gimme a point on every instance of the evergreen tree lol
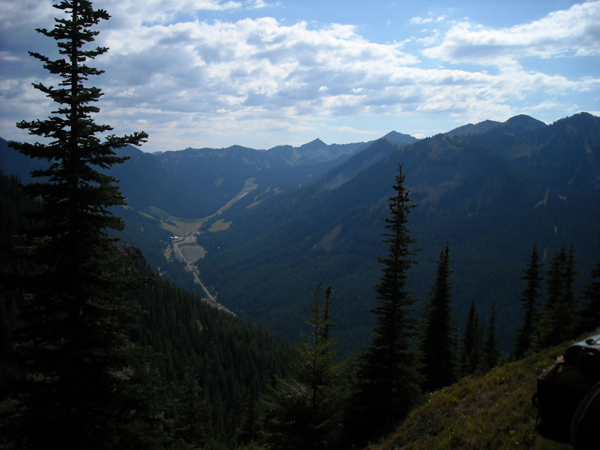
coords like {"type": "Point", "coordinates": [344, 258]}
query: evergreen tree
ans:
{"type": "Point", "coordinates": [529, 298]}
{"type": "Point", "coordinates": [558, 321]}
{"type": "Point", "coordinates": [570, 299]}
{"type": "Point", "coordinates": [73, 345]}
{"type": "Point", "coordinates": [388, 383]}
{"type": "Point", "coordinates": [318, 356]}
{"type": "Point", "coordinates": [192, 426]}
{"type": "Point", "coordinates": [437, 343]}
{"type": "Point", "coordinates": [13, 208]}
{"type": "Point", "coordinates": [471, 343]}
{"type": "Point", "coordinates": [248, 430]}
{"type": "Point", "coordinates": [307, 412]}
{"type": "Point", "coordinates": [590, 314]}
{"type": "Point", "coordinates": [491, 351]}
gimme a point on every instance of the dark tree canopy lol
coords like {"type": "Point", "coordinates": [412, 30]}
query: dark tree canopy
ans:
{"type": "Point", "coordinates": [590, 314]}
{"type": "Point", "coordinates": [491, 351]}
{"type": "Point", "coordinates": [471, 343]}
{"type": "Point", "coordinates": [558, 321]}
{"type": "Point", "coordinates": [389, 370]}
{"type": "Point", "coordinates": [306, 412]}
{"type": "Point", "coordinates": [438, 340]}
{"type": "Point", "coordinates": [529, 298]}
{"type": "Point", "coordinates": [73, 345]}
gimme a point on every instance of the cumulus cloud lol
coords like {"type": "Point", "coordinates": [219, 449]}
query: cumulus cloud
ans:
{"type": "Point", "coordinates": [419, 20]}
{"type": "Point", "coordinates": [250, 64]}
{"type": "Point", "coordinates": [575, 31]}
{"type": "Point", "coordinates": [182, 76]}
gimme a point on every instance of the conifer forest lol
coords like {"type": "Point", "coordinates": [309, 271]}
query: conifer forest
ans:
{"type": "Point", "coordinates": [242, 299]}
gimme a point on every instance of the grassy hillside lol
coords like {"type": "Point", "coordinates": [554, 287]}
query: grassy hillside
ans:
{"type": "Point", "coordinates": [489, 412]}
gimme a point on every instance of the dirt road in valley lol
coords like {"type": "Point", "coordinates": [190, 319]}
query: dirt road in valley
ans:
{"type": "Point", "coordinates": [187, 250]}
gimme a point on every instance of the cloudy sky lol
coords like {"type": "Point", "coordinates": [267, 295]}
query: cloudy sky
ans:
{"type": "Point", "coordinates": [259, 73]}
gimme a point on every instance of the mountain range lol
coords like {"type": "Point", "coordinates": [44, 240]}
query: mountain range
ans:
{"type": "Point", "coordinates": [275, 223]}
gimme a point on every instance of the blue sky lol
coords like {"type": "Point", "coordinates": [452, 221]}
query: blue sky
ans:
{"type": "Point", "coordinates": [260, 73]}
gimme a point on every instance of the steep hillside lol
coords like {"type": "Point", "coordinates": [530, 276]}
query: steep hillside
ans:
{"type": "Point", "coordinates": [355, 165]}
{"type": "Point", "coordinates": [195, 183]}
{"type": "Point", "coordinates": [215, 176]}
{"type": "Point", "coordinates": [303, 213]}
{"type": "Point", "coordinates": [314, 152]}
{"type": "Point", "coordinates": [488, 208]}
{"type": "Point", "coordinates": [232, 359]}
{"type": "Point", "coordinates": [563, 156]}
{"type": "Point", "coordinates": [493, 411]}
{"type": "Point", "coordinates": [148, 184]}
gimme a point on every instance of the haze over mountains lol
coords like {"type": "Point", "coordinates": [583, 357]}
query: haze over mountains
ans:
{"type": "Point", "coordinates": [278, 221]}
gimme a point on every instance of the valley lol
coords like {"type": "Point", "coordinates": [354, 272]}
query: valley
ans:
{"type": "Point", "coordinates": [262, 228]}
{"type": "Point", "coordinates": [184, 245]}
{"type": "Point", "coordinates": [391, 290]}
{"type": "Point", "coordinates": [188, 251]}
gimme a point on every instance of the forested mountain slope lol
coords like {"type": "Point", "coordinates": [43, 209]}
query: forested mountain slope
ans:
{"type": "Point", "coordinates": [564, 156]}
{"type": "Point", "coordinates": [192, 184]}
{"type": "Point", "coordinates": [230, 360]}
{"type": "Point", "coordinates": [489, 207]}
{"type": "Point", "coordinates": [489, 190]}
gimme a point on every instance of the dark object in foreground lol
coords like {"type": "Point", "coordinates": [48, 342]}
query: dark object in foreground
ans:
{"type": "Point", "coordinates": [586, 355]}
{"type": "Point", "coordinates": [568, 396]}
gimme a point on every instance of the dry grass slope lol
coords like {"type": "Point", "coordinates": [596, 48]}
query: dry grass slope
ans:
{"type": "Point", "coordinates": [493, 411]}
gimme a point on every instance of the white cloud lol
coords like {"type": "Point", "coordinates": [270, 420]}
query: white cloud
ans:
{"type": "Point", "coordinates": [347, 129]}
{"type": "Point", "coordinates": [253, 65]}
{"type": "Point", "coordinates": [183, 77]}
{"type": "Point", "coordinates": [256, 4]}
{"type": "Point", "coordinates": [419, 20]}
{"type": "Point", "coordinates": [430, 40]}
{"type": "Point", "coordinates": [575, 31]}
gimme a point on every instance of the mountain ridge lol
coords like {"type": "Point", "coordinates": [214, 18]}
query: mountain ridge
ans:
{"type": "Point", "coordinates": [490, 195]}
{"type": "Point", "coordinates": [481, 203]}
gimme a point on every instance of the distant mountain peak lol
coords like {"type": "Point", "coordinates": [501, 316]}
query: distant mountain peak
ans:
{"type": "Point", "coordinates": [479, 128]}
{"type": "Point", "coordinates": [582, 117]}
{"type": "Point", "coordinates": [400, 138]}
{"type": "Point", "coordinates": [316, 142]}
{"type": "Point", "coordinates": [521, 124]}
{"type": "Point", "coordinates": [514, 126]}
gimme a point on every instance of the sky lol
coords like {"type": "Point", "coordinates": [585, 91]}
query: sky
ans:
{"type": "Point", "coordinates": [261, 73]}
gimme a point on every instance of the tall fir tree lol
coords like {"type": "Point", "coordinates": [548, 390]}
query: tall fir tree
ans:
{"type": "Point", "coordinates": [470, 353]}
{"type": "Point", "coordinates": [73, 344]}
{"type": "Point", "coordinates": [307, 412]}
{"type": "Point", "coordinates": [529, 299]}
{"type": "Point", "coordinates": [491, 350]}
{"type": "Point", "coordinates": [318, 358]}
{"type": "Point", "coordinates": [388, 376]}
{"type": "Point", "coordinates": [248, 430]}
{"type": "Point", "coordinates": [437, 342]}
{"type": "Point", "coordinates": [558, 320]}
